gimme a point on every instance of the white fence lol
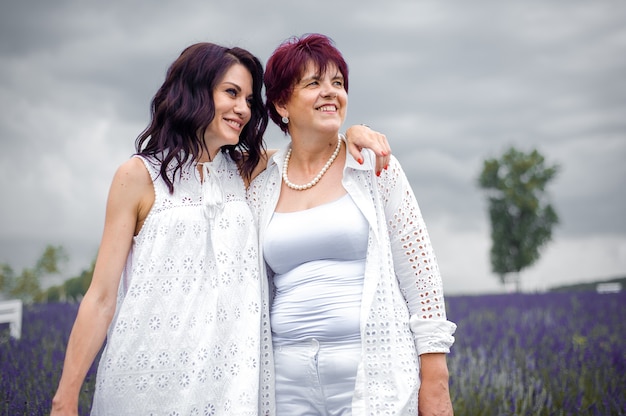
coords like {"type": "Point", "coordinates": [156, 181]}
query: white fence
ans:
{"type": "Point", "coordinates": [11, 312]}
{"type": "Point", "coordinates": [611, 287]}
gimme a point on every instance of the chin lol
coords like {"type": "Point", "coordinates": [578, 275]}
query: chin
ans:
{"type": "Point", "coordinates": [231, 137]}
{"type": "Point", "coordinates": [233, 142]}
{"type": "Point", "coordinates": [332, 129]}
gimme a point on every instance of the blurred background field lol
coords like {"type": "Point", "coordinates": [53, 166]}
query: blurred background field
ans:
{"type": "Point", "coordinates": [557, 353]}
{"type": "Point", "coordinates": [560, 353]}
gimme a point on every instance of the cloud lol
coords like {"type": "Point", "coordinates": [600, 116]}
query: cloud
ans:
{"type": "Point", "coordinates": [449, 83]}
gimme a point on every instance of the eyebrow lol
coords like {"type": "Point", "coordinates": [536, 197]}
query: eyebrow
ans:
{"type": "Point", "coordinates": [310, 78]}
{"type": "Point", "coordinates": [317, 77]}
{"type": "Point", "coordinates": [233, 84]}
{"type": "Point", "coordinates": [238, 88]}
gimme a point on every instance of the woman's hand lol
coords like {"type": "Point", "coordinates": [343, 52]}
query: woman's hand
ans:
{"type": "Point", "coordinates": [434, 395]}
{"type": "Point", "coordinates": [59, 408]}
{"type": "Point", "coordinates": [361, 137]}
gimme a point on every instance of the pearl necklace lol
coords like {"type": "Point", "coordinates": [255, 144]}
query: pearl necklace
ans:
{"type": "Point", "coordinates": [317, 177]}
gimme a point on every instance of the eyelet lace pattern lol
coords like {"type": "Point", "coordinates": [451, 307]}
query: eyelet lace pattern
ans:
{"type": "Point", "coordinates": [185, 336]}
{"type": "Point", "coordinates": [403, 305]}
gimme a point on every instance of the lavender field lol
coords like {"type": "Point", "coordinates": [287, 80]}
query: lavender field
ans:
{"type": "Point", "coordinates": [543, 354]}
{"type": "Point", "coordinates": [517, 354]}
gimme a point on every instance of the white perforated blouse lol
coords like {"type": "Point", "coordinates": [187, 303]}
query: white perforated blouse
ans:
{"type": "Point", "coordinates": [185, 336]}
{"type": "Point", "coordinates": [402, 309]}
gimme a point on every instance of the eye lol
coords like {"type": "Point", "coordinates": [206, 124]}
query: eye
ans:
{"type": "Point", "coordinates": [231, 91]}
{"type": "Point", "coordinates": [312, 84]}
{"type": "Point", "coordinates": [338, 83]}
{"type": "Point", "coordinates": [250, 101]}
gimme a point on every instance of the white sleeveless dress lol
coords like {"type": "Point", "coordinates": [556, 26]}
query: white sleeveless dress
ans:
{"type": "Point", "coordinates": [185, 336]}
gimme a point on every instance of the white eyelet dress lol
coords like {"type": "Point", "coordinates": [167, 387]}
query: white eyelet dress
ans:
{"type": "Point", "coordinates": [185, 336]}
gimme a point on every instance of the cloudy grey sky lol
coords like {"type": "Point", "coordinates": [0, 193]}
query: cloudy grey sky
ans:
{"type": "Point", "coordinates": [449, 82]}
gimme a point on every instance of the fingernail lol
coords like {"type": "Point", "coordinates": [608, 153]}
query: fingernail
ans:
{"type": "Point", "coordinates": [386, 167]}
{"type": "Point", "coordinates": [360, 161]}
{"type": "Point", "coordinates": [378, 173]}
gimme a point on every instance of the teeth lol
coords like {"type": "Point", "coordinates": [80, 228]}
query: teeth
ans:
{"type": "Point", "coordinates": [234, 123]}
{"type": "Point", "coordinates": [328, 108]}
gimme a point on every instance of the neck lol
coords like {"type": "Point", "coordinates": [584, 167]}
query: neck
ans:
{"type": "Point", "coordinates": [206, 156]}
{"type": "Point", "coordinates": [309, 150]}
{"type": "Point", "coordinates": [308, 165]}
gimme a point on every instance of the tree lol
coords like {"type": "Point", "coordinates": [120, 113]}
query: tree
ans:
{"type": "Point", "coordinates": [521, 216]}
{"type": "Point", "coordinates": [76, 287]}
{"type": "Point", "coordinates": [71, 290]}
{"type": "Point", "coordinates": [51, 260]}
{"type": "Point", "coordinates": [7, 278]}
{"type": "Point", "coordinates": [27, 285]}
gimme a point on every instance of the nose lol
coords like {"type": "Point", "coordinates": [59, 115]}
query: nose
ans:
{"type": "Point", "coordinates": [242, 108]}
{"type": "Point", "coordinates": [328, 90]}
{"type": "Point", "coordinates": [328, 93]}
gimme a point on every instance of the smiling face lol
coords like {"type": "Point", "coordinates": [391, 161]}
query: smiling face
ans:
{"type": "Point", "coordinates": [232, 97]}
{"type": "Point", "coordinates": [319, 101]}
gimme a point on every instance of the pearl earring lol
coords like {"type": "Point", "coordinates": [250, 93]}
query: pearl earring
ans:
{"type": "Point", "coordinates": [285, 120]}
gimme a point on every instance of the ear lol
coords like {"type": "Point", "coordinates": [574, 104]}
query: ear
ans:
{"type": "Point", "coordinates": [281, 109]}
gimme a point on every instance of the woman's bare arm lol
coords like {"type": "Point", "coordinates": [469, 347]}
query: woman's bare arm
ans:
{"type": "Point", "coordinates": [130, 197]}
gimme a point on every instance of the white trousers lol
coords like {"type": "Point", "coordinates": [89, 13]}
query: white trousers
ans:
{"type": "Point", "coordinates": [315, 378]}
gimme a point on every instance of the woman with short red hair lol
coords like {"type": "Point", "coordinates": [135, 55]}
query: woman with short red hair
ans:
{"type": "Point", "coordinates": [354, 320]}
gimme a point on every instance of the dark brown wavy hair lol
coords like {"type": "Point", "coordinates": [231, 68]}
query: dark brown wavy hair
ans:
{"type": "Point", "coordinates": [184, 105]}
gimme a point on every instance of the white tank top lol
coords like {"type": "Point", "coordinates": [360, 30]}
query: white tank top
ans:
{"type": "Point", "coordinates": [318, 257]}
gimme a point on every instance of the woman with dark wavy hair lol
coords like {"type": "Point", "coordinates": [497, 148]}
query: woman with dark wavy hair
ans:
{"type": "Point", "coordinates": [175, 289]}
{"type": "Point", "coordinates": [175, 286]}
